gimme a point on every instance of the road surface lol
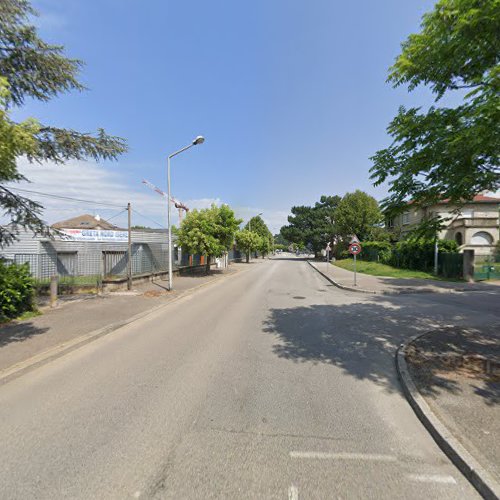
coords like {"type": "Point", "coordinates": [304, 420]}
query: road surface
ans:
{"type": "Point", "coordinates": [268, 384]}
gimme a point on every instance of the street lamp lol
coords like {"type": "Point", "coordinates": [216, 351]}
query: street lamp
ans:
{"type": "Point", "coordinates": [198, 140]}
{"type": "Point", "coordinates": [250, 221]}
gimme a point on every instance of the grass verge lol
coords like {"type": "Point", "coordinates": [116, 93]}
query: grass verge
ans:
{"type": "Point", "coordinates": [378, 269]}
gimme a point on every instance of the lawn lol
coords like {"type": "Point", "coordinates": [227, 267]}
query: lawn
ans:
{"type": "Point", "coordinates": [378, 269]}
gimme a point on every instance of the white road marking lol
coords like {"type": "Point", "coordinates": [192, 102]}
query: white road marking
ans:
{"type": "Point", "coordinates": [342, 456]}
{"type": "Point", "coordinates": [293, 493]}
{"type": "Point", "coordinates": [432, 478]}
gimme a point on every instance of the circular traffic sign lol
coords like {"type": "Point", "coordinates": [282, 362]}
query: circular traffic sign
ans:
{"type": "Point", "coordinates": [354, 248]}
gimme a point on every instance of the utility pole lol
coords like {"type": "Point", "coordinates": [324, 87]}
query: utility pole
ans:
{"type": "Point", "coordinates": [129, 252]}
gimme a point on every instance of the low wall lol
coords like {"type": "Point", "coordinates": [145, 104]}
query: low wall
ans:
{"type": "Point", "coordinates": [116, 284]}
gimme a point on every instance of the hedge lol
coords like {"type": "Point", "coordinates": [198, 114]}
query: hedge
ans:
{"type": "Point", "coordinates": [378, 251]}
{"type": "Point", "coordinates": [419, 255]}
{"type": "Point", "coordinates": [410, 254]}
{"type": "Point", "coordinates": [16, 290]}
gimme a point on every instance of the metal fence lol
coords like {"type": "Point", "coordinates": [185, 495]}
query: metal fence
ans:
{"type": "Point", "coordinates": [487, 268]}
{"type": "Point", "coordinates": [83, 268]}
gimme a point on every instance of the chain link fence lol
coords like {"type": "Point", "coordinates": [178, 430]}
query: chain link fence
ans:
{"type": "Point", "coordinates": [91, 268]}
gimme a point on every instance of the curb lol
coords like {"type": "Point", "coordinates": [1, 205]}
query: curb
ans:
{"type": "Point", "coordinates": [338, 285]}
{"type": "Point", "coordinates": [407, 291]}
{"type": "Point", "coordinates": [478, 476]}
{"type": "Point", "coordinates": [18, 369]}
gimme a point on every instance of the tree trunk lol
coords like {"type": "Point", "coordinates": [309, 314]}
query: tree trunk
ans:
{"type": "Point", "coordinates": [207, 268]}
{"type": "Point", "coordinates": [248, 257]}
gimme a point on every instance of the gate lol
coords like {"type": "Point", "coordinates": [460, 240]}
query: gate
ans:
{"type": "Point", "coordinates": [114, 262]}
{"type": "Point", "coordinates": [66, 263]}
{"type": "Point", "coordinates": [487, 269]}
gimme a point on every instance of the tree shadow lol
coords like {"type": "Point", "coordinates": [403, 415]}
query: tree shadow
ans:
{"type": "Point", "coordinates": [360, 338]}
{"type": "Point", "coordinates": [462, 355]}
{"type": "Point", "coordinates": [423, 284]}
{"type": "Point", "coordinates": [19, 332]}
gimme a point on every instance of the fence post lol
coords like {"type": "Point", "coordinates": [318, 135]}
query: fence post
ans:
{"type": "Point", "coordinates": [468, 263]}
{"type": "Point", "coordinates": [53, 291]}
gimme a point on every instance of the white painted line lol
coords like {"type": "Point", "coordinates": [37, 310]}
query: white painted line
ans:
{"type": "Point", "coordinates": [293, 493]}
{"type": "Point", "coordinates": [343, 456]}
{"type": "Point", "coordinates": [432, 478]}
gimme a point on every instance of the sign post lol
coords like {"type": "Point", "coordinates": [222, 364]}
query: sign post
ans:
{"type": "Point", "coordinates": [327, 249]}
{"type": "Point", "coordinates": [354, 249]}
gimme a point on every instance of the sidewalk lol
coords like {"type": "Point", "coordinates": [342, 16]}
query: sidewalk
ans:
{"type": "Point", "coordinates": [76, 316]}
{"type": "Point", "coordinates": [384, 285]}
{"type": "Point", "coordinates": [457, 371]}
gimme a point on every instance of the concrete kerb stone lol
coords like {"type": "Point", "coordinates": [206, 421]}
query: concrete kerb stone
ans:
{"type": "Point", "coordinates": [53, 353]}
{"type": "Point", "coordinates": [478, 476]}
{"type": "Point", "coordinates": [338, 285]}
{"type": "Point", "coordinates": [405, 291]}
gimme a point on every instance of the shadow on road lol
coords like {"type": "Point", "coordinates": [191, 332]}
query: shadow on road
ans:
{"type": "Point", "coordinates": [360, 338]}
{"type": "Point", "coordinates": [18, 332]}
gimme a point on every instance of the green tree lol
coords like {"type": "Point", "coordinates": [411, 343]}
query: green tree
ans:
{"type": "Point", "coordinates": [257, 225]}
{"type": "Point", "coordinates": [280, 240]}
{"type": "Point", "coordinates": [248, 242]}
{"type": "Point", "coordinates": [209, 232]}
{"type": "Point", "coordinates": [358, 214]}
{"type": "Point", "coordinates": [34, 69]}
{"type": "Point", "coordinates": [446, 152]}
{"type": "Point", "coordinates": [313, 227]}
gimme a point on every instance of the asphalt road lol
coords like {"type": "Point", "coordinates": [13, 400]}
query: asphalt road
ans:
{"type": "Point", "coordinates": [269, 384]}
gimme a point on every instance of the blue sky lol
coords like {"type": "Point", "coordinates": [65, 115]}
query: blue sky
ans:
{"type": "Point", "coordinates": [290, 95]}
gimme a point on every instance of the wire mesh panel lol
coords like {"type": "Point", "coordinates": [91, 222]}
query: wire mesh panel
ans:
{"type": "Point", "coordinates": [115, 263]}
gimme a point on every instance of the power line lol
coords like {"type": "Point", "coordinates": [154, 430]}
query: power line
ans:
{"type": "Point", "coordinates": [147, 218]}
{"type": "Point", "coordinates": [116, 215]}
{"type": "Point", "coordinates": [66, 198]}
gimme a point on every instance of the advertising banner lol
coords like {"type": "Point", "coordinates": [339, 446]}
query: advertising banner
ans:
{"type": "Point", "coordinates": [93, 235]}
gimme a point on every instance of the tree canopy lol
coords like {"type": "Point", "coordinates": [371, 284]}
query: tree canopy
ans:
{"type": "Point", "coordinates": [248, 241]}
{"type": "Point", "coordinates": [257, 225]}
{"type": "Point", "coordinates": [32, 68]}
{"type": "Point", "coordinates": [446, 152]}
{"type": "Point", "coordinates": [358, 214]}
{"type": "Point", "coordinates": [313, 227]}
{"type": "Point", "coordinates": [209, 231]}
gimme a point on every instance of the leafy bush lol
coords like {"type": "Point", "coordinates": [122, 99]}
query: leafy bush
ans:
{"type": "Point", "coordinates": [378, 251]}
{"type": "Point", "coordinates": [16, 290]}
{"type": "Point", "coordinates": [419, 254]}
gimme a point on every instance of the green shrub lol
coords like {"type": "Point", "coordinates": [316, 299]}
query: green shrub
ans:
{"type": "Point", "coordinates": [16, 290]}
{"type": "Point", "coordinates": [419, 254]}
{"type": "Point", "coordinates": [377, 251]}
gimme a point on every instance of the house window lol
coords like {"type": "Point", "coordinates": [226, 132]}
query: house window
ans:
{"type": "Point", "coordinates": [390, 222]}
{"type": "Point", "coordinates": [481, 238]}
{"type": "Point", "coordinates": [459, 238]}
{"type": "Point", "coordinates": [406, 218]}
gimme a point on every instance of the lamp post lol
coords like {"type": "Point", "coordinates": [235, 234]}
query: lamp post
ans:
{"type": "Point", "coordinates": [199, 140]}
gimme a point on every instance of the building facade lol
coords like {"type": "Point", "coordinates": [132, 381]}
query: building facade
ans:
{"type": "Point", "coordinates": [474, 227]}
{"type": "Point", "coordinates": [90, 249]}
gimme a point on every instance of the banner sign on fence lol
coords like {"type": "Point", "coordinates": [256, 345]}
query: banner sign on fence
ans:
{"type": "Point", "coordinates": [93, 235]}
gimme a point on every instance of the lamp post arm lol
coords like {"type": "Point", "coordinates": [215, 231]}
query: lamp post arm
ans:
{"type": "Point", "coordinates": [180, 151]}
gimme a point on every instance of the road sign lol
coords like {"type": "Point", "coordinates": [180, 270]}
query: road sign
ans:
{"type": "Point", "coordinates": [328, 248]}
{"type": "Point", "coordinates": [354, 248]}
{"type": "Point", "coordinates": [354, 239]}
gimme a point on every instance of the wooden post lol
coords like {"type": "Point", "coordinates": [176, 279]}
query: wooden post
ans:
{"type": "Point", "coordinates": [129, 252]}
{"type": "Point", "coordinates": [53, 290]}
{"type": "Point", "coordinates": [468, 265]}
